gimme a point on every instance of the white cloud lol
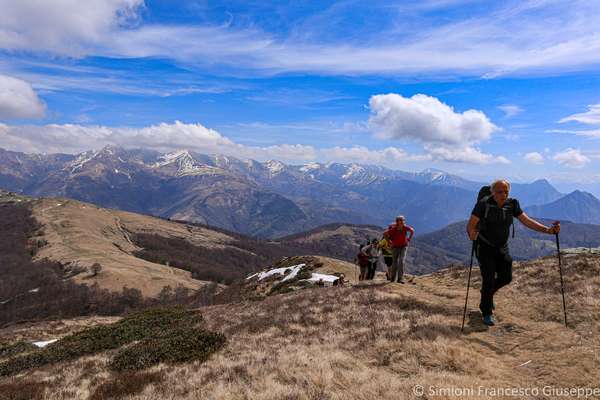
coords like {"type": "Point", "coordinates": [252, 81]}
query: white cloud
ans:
{"type": "Point", "coordinates": [18, 100]}
{"type": "Point", "coordinates": [510, 110]}
{"type": "Point", "coordinates": [72, 138]}
{"type": "Point", "coordinates": [446, 135]}
{"type": "Point", "coordinates": [64, 27]}
{"type": "Point", "coordinates": [534, 158]}
{"type": "Point", "coordinates": [508, 39]}
{"type": "Point", "coordinates": [591, 116]}
{"type": "Point", "coordinates": [389, 156]}
{"type": "Point", "coordinates": [571, 158]}
{"type": "Point", "coordinates": [426, 119]}
{"type": "Point", "coordinates": [466, 154]}
{"type": "Point", "coordinates": [593, 133]}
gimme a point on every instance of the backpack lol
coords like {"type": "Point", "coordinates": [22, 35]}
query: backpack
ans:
{"type": "Point", "coordinates": [363, 259]}
{"type": "Point", "coordinates": [484, 194]}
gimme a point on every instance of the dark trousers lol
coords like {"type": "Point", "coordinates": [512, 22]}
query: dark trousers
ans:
{"type": "Point", "coordinates": [372, 268]}
{"type": "Point", "coordinates": [388, 262]}
{"type": "Point", "coordinates": [495, 265]}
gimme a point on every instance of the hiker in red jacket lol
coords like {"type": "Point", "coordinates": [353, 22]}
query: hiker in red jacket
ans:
{"type": "Point", "coordinates": [397, 234]}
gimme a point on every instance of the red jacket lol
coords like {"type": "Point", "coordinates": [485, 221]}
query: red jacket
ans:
{"type": "Point", "coordinates": [398, 237]}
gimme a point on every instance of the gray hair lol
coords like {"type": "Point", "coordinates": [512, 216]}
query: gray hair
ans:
{"type": "Point", "coordinates": [497, 181]}
{"type": "Point", "coordinates": [400, 217]}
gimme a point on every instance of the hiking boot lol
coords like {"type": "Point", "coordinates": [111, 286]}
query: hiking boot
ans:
{"type": "Point", "coordinates": [402, 281]}
{"type": "Point", "coordinates": [489, 320]}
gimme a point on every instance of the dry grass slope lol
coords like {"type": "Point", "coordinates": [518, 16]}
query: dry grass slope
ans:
{"type": "Point", "coordinates": [376, 341]}
{"type": "Point", "coordinates": [83, 234]}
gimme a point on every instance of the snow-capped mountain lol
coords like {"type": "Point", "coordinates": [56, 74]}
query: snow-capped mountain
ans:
{"type": "Point", "coordinates": [182, 163]}
{"type": "Point", "coordinates": [258, 198]}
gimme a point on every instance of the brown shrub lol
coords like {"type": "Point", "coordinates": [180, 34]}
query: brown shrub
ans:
{"type": "Point", "coordinates": [126, 384]}
{"type": "Point", "coordinates": [22, 390]}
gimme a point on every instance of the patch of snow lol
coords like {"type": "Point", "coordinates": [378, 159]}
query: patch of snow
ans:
{"type": "Point", "coordinates": [81, 160]}
{"type": "Point", "coordinates": [123, 173]}
{"type": "Point", "coordinates": [34, 290]}
{"type": "Point", "coordinates": [310, 167]}
{"type": "Point", "coordinates": [186, 164]}
{"type": "Point", "coordinates": [45, 343]}
{"type": "Point", "coordinates": [354, 169]}
{"type": "Point", "coordinates": [275, 167]}
{"type": "Point", "coordinates": [293, 271]}
{"type": "Point", "coordinates": [222, 158]}
{"type": "Point", "coordinates": [170, 158]}
{"type": "Point", "coordinates": [322, 277]}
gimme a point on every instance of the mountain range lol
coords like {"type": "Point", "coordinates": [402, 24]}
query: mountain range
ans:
{"type": "Point", "coordinates": [263, 199]}
{"type": "Point", "coordinates": [577, 206]}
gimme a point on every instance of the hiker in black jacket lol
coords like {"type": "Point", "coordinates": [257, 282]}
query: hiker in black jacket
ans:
{"type": "Point", "coordinates": [489, 226]}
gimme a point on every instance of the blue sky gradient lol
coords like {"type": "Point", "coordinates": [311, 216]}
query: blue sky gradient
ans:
{"type": "Point", "coordinates": [296, 81]}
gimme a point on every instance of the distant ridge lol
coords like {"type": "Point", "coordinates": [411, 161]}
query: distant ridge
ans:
{"type": "Point", "coordinates": [262, 199]}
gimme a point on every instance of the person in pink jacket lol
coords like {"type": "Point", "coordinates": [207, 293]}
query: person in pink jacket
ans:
{"type": "Point", "coordinates": [400, 235]}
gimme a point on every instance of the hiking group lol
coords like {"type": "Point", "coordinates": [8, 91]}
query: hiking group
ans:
{"type": "Point", "coordinates": [392, 248]}
{"type": "Point", "coordinates": [489, 230]}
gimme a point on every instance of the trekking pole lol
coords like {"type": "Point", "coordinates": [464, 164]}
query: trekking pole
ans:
{"type": "Point", "coordinates": [462, 329]}
{"type": "Point", "coordinates": [562, 285]}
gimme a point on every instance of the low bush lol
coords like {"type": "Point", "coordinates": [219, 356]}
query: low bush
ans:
{"type": "Point", "coordinates": [181, 345]}
{"type": "Point", "coordinates": [148, 324]}
{"type": "Point", "coordinates": [11, 349]}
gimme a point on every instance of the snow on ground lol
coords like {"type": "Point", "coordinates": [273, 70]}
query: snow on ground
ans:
{"type": "Point", "coordinates": [275, 167]}
{"type": "Point", "coordinates": [279, 271]}
{"type": "Point", "coordinates": [323, 277]}
{"type": "Point", "coordinates": [44, 344]}
{"type": "Point", "coordinates": [292, 272]}
{"type": "Point", "coordinates": [82, 159]}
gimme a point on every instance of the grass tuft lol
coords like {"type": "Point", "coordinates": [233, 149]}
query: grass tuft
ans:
{"type": "Point", "coordinates": [126, 384]}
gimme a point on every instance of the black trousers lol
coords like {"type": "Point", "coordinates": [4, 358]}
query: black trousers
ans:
{"type": "Point", "coordinates": [495, 265]}
{"type": "Point", "coordinates": [372, 268]}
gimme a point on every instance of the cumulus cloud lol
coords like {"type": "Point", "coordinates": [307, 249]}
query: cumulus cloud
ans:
{"type": "Point", "coordinates": [446, 135]}
{"type": "Point", "coordinates": [71, 138]}
{"type": "Point", "coordinates": [534, 158]}
{"type": "Point", "coordinates": [426, 119]}
{"type": "Point", "coordinates": [571, 158]}
{"type": "Point", "coordinates": [18, 100]}
{"type": "Point", "coordinates": [510, 110]}
{"type": "Point", "coordinates": [465, 154]}
{"type": "Point", "coordinates": [590, 117]}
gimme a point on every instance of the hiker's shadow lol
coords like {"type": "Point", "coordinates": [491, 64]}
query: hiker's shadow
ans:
{"type": "Point", "coordinates": [475, 323]}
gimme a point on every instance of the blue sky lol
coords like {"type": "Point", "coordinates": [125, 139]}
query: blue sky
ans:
{"type": "Point", "coordinates": [483, 89]}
